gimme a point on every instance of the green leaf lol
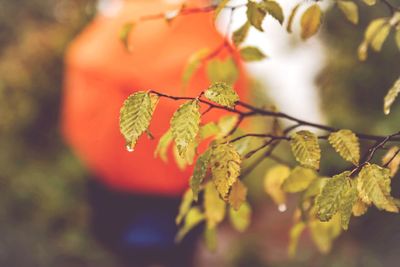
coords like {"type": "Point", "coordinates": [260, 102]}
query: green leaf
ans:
{"type": "Point", "coordinates": [391, 96]}
{"type": "Point", "coordinates": [225, 167]}
{"type": "Point", "coordinates": [185, 125]}
{"type": "Point", "coordinates": [274, 9]}
{"type": "Point", "coordinates": [214, 206]}
{"type": "Point", "coordinates": [310, 21]}
{"type": "Point", "coordinates": [135, 116]}
{"type": "Point", "coordinates": [337, 195]}
{"type": "Point", "coordinates": [240, 219]}
{"type": "Point", "coordinates": [220, 7]}
{"type": "Point", "coordinates": [349, 9]}
{"type": "Point", "coordinates": [370, 2]}
{"type": "Point", "coordinates": [199, 172]}
{"type": "Point", "coordinates": [240, 34]}
{"type": "Point", "coordinates": [273, 181]}
{"type": "Point", "coordinates": [294, 237]}
{"type": "Point", "coordinates": [184, 207]}
{"type": "Point", "coordinates": [255, 15]}
{"type": "Point", "coordinates": [291, 17]}
{"type": "Point", "coordinates": [163, 145]}
{"type": "Point", "coordinates": [306, 149]}
{"type": "Point", "coordinates": [237, 195]}
{"type": "Point", "coordinates": [251, 53]}
{"type": "Point", "coordinates": [373, 184]}
{"type": "Point", "coordinates": [222, 94]}
{"type": "Point", "coordinates": [124, 34]}
{"type": "Point", "coordinates": [222, 71]}
{"type": "Point", "coordinates": [345, 142]}
{"type": "Point", "coordinates": [193, 218]}
{"type": "Point", "coordinates": [193, 65]}
{"type": "Point", "coordinates": [299, 179]}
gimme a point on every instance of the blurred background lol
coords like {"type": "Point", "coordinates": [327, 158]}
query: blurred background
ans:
{"type": "Point", "coordinates": [43, 202]}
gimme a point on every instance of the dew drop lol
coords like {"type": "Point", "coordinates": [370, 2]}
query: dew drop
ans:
{"type": "Point", "coordinates": [129, 148]}
{"type": "Point", "coordinates": [282, 207]}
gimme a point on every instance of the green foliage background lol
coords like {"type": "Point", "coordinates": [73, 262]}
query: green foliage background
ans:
{"type": "Point", "coordinates": [43, 212]}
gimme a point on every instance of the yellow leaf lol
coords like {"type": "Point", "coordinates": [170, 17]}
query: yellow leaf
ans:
{"type": "Point", "coordinates": [394, 157]}
{"type": "Point", "coordinates": [324, 233]}
{"type": "Point", "coordinates": [222, 94]}
{"type": "Point", "coordinates": [391, 96]}
{"type": "Point", "coordinates": [362, 51]}
{"type": "Point", "coordinates": [315, 187]}
{"type": "Point", "coordinates": [310, 21]}
{"type": "Point", "coordinates": [299, 179]}
{"type": "Point", "coordinates": [124, 34]}
{"type": "Point", "coordinates": [185, 125]}
{"type": "Point", "coordinates": [273, 181]}
{"type": "Point", "coordinates": [135, 116]}
{"type": "Point", "coordinates": [373, 184]}
{"type": "Point", "coordinates": [163, 145]}
{"type": "Point", "coordinates": [193, 65]}
{"type": "Point", "coordinates": [380, 38]}
{"type": "Point", "coordinates": [370, 2]}
{"type": "Point", "coordinates": [345, 142]}
{"type": "Point", "coordinates": [397, 37]}
{"type": "Point", "coordinates": [273, 9]}
{"type": "Point", "coordinates": [349, 9]}
{"type": "Point", "coordinates": [294, 237]}
{"type": "Point", "coordinates": [185, 205]}
{"type": "Point", "coordinates": [226, 124]}
{"type": "Point", "coordinates": [306, 149]}
{"type": "Point", "coordinates": [214, 206]}
{"type": "Point", "coordinates": [237, 195]}
{"type": "Point", "coordinates": [192, 219]}
{"type": "Point", "coordinates": [219, 70]}
{"type": "Point", "coordinates": [208, 130]}
{"type": "Point", "coordinates": [210, 238]}
{"type": "Point", "coordinates": [225, 167]}
{"type": "Point", "coordinates": [338, 195]}
{"type": "Point", "coordinates": [291, 17]}
{"type": "Point", "coordinates": [251, 53]}
{"type": "Point", "coordinates": [376, 33]}
{"type": "Point", "coordinates": [179, 160]}
{"type": "Point", "coordinates": [199, 172]}
{"type": "Point", "coordinates": [240, 34]}
{"type": "Point", "coordinates": [359, 208]}
{"type": "Point", "coordinates": [255, 15]}
{"type": "Point", "coordinates": [240, 219]}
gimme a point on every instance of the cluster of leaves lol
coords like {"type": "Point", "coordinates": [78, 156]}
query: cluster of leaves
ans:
{"type": "Point", "coordinates": [326, 203]}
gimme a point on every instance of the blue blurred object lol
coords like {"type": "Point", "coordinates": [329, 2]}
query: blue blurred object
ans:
{"type": "Point", "coordinates": [139, 229]}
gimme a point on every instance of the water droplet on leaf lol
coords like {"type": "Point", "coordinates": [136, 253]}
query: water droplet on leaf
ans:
{"type": "Point", "coordinates": [129, 148]}
{"type": "Point", "coordinates": [282, 207]}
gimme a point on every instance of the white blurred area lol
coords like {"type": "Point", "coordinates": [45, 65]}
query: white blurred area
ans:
{"type": "Point", "coordinates": [289, 73]}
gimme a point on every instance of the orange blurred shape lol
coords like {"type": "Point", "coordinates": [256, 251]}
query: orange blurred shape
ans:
{"type": "Point", "coordinates": [101, 74]}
